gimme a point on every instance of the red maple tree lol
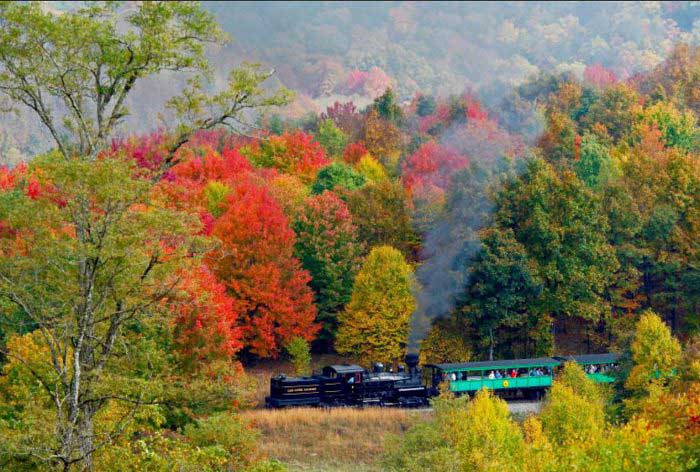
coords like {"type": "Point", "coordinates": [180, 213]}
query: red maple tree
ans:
{"type": "Point", "coordinates": [430, 168]}
{"type": "Point", "coordinates": [206, 322]}
{"type": "Point", "coordinates": [255, 260]}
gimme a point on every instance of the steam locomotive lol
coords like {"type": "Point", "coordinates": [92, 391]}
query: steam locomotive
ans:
{"type": "Point", "coordinates": [351, 385]}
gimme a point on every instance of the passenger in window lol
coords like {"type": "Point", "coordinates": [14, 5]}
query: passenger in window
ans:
{"type": "Point", "coordinates": [499, 375]}
{"type": "Point", "coordinates": [492, 375]}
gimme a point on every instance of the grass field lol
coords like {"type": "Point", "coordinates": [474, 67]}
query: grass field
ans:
{"type": "Point", "coordinates": [338, 440]}
{"type": "Point", "coordinates": [316, 439]}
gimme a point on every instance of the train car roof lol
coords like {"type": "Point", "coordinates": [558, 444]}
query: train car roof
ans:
{"type": "Point", "coordinates": [505, 363]}
{"type": "Point", "coordinates": [603, 358]}
{"type": "Point", "coordinates": [346, 368]}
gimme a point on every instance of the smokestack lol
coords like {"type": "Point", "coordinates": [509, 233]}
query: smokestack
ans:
{"type": "Point", "coordinates": [411, 360]}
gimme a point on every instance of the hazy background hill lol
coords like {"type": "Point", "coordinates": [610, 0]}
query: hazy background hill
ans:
{"type": "Point", "coordinates": [331, 51]}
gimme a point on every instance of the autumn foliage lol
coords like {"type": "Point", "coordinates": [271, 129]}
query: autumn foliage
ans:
{"type": "Point", "coordinates": [353, 153]}
{"type": "Point", "coordinates": [295, 153]}
{"type": "Point", "coordinates": [255, 260]}
{"type": "Point", "coordinates": [253, 247]}
{"type": "Point", "coordinates": [207, 327]}
{"type": "Point", "coordinates": [430, 168]}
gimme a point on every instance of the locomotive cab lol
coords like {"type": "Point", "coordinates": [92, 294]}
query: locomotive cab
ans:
{"type": "Point", "coordinates": [340, 383]}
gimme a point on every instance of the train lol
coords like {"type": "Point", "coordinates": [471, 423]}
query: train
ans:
{"type": "Point", "coordinates": [411, 386]}
{"type": "Point", "coordinates": [351, 385]}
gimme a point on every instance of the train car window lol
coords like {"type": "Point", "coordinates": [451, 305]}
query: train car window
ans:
{"type": "Point", "coordinates": [473, 375]}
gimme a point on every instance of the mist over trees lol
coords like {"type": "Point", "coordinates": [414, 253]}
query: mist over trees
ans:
{"type": "Point", "coordinates": [353, 52]}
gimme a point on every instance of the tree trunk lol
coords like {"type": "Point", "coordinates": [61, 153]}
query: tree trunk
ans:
{"type": "Point", "coordinates": [490, 344]}
{"type": "Point", "coordinates": [86, 436]}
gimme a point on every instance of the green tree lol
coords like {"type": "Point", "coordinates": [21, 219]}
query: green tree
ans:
{"type": "Point", "coordinates": [331, 138]}
{"type": "Point", "coordinates": [562, 226]}
{"type": "Point", "coordinates": [328, 248]}
{"type": "Point", "coordinates": [374, 325]}
{"type": "Point", "coordinates": [387, 107]}
{"type": "Point", "coordinates": [337, 175]}
{"type": "Point", "coordinates": [426, 105]}
{"type": "Point", "coordinates": [88, 60]}
{"type": "Point", "coordinates": [678, 128]}
{"type": "Point", "coordinates": [223, 441]}
{"type": "Point", "coordinates": [89, 270]}
{"type": "Point", "coordinates": [299, 352]}
{"type": "Point", "coordinates": [615, 111]}
{"type": "Point", "coordinates": [660, 190]}
{"type": "Point", "coordinates": [594, 167]}
{"type": "Point", "coordinates": [502, 286]}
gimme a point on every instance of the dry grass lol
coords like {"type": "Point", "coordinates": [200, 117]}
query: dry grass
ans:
{"type": "Point", "coordinates": [342, 439]}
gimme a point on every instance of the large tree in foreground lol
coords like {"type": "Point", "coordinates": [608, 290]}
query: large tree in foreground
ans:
{"type": "Point", "coordinates": [75, 70]}
{"type": "Point", "coordinates": [87, 258]}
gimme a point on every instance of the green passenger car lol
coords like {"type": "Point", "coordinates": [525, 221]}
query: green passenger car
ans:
{"type": "Point", "coordinates": [528, 376]}
{"type": "Point", "coordinates": [601, 368]}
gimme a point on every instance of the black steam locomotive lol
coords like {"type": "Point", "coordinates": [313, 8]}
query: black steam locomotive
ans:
{"type": "Point", "coordinates": [351, 385]}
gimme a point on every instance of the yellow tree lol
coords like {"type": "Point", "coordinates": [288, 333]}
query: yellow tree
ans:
{"type": "Point", "coordinates": [464, 435]}
{"type": "Point", "coordinates": [573, 413]}
{"type": "Point", "coordinates": [656, 355]}
{"type": "Point", "coordinates": [371, 169]}
{"type": "Point", "coordinates": [374, 326]}
{"type": "Point", "coordinates": [383, 140]}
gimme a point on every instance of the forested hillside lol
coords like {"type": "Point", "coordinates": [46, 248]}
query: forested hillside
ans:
{"type": "Point", "coordinates": [532, 190]}
{"type": "Point", "coordinates": [353, 51]}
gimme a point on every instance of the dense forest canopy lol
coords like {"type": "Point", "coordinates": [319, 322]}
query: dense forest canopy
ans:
{"type": "Point", "coordinates": [469, 181]}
